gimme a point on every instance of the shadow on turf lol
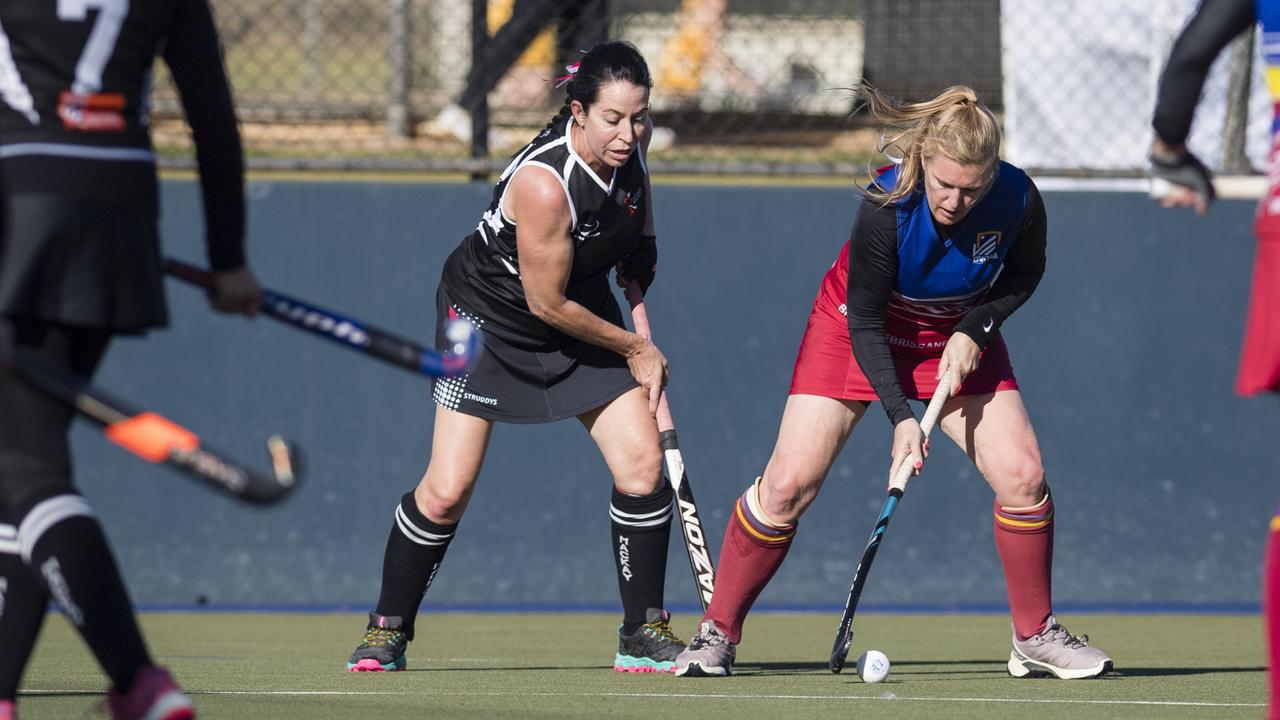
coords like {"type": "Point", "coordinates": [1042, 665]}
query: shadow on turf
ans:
{"type": "Point", "coordinates": [1169, 672]}
{"type": "Point", "coordinates": [985, 667]}
{"type": "Point", "coordinates": [932, 667]}
{"type": "Point", "coordinates": [775, 668]}
{"type": "Point", "coordinates": [801, 668]}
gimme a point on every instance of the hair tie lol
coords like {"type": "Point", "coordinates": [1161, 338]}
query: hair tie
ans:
{"type": "Point", "coordinates": [573, 71]}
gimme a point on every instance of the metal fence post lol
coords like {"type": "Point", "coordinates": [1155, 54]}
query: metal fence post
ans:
{"type": "Point", "coordinates": [480, 113]}
{"type": "Point", "coordinates": [399, 69]}
{"type": "Point", "coordinates": [1235, 158]}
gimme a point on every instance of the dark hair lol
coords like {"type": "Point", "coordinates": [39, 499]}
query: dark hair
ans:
{"type": "Point", "coordinates": [612, 61]}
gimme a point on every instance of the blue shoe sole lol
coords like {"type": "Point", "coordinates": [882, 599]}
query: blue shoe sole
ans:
{"type": "Point", "coordinates": [630, 663]}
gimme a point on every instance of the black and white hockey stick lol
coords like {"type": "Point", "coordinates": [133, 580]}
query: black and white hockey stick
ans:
{"type": "Point", "coordinates": [159, 440]}
{"type": "Point", "coordinates": [695, 540]}
{"type": "Point", "coordinates": [354, 334]}
{"type": "Point", "coordinates": [844, 635]}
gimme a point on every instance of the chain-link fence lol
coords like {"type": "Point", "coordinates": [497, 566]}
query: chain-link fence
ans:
{"type": "Point", "coordinates": [741, 86]}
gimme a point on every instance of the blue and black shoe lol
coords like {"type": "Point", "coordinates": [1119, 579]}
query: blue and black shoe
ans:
{"type": "Point", "coordinates": [652, 648]}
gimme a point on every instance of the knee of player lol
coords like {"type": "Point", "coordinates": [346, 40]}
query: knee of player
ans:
{"type": "Point", "coordinates": [784, 493]}
{"type": "Point", "coordinates": [642, 473]}
{"type": "Point", "coordinates": [1021, 478]}
{"type": "Point", "coordinates": [441, 503]}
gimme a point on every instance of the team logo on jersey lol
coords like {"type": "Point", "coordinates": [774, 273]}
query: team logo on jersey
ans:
{"type": "Point", "coordinates": [631, 200]}
{"type": "Point", "coordinates": [987, 246]}
{"type": "Point", "coordinates": [587, 230]}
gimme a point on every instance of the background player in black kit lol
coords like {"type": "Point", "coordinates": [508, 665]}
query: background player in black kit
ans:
{"type": "Point", "coordinates": [533, 278]}
{"type": "Point", "coordinates": [79, 262]}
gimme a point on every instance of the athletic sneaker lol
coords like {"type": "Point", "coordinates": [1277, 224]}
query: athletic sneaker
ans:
{"type": "Point", "coordinates": [382, 649]}
{"type": "Point", "coordinates": [1059, 653]}
{"type": "Point", "coordinates": [710, 653]}
{"type": "Point", "coordinates": [653, 647]}
{"type": "Point", "coordinates": [154, 696]}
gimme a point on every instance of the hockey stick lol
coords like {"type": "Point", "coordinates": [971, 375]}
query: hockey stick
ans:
{"type": "Point", "coordinates": [354, 334]}
{"type": "Point", "coordinates": [157, 439]}
{"type": "Point", "coordinates": [844, 635]}
{"type": "Point", "coordinates": [695, 540]}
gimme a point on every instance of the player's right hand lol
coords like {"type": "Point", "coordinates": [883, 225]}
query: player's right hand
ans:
{"type": "Point", "coordinates": [649, 367]}
{"type": "Point", "coordinates": [236, 291]}
{"type": "Point", "coordinates": [908, 446]}
{"type": "Point", "coordinates": [1179, 179]}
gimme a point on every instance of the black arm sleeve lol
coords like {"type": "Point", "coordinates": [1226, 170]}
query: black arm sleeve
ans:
{"type": "Point", "coordinates": [1023, 268]}
{"type": "Point", "coordinates": [193, 55]}
{"type": "Point", "coordinates": [1215, 23]}
{"type": "Point", "coordinates": [873, 270]}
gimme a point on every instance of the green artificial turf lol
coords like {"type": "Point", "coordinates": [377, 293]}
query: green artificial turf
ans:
{"type": "Point", "coordinates": [559, 666]}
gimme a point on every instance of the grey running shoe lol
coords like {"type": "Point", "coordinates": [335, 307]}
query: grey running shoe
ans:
{"type": "Point", "coordinates": [710, 654]}
{"type": "Point", "coordinates": [651, 648]}
{"type": "Point", "coordinates": [1059, 653]}
{"type": "Point", "coordinates": [382, 649]}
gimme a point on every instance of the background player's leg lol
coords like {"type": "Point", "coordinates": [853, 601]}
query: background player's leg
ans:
{"type": "Point", "coordinates": [22, 609]}
{"type": "Point", "coordinates": [762, 523]}
{"type": "Point", "coordinates": [640, 527]}
{"type": "Point", "coordinates": [527, 21]}
{"type": "Point", "coordinates": [423, 525]}
{"type": "Point", "coordinates": [58, 536]}
{"type": "Point", "coordinates": [996, 433]}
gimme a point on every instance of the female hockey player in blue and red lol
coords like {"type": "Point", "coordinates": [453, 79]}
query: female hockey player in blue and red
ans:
{"type": "Point", "coordinates": [1188, 184]}
{"type": "Point", "coordinates": [945, 247]}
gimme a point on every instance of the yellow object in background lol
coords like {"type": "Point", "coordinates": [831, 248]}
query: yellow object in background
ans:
{"type": "Point", "coordinates": [683, 57]}
{"type": "Point", "coordinates": [541, 52]}
{"type": "Point", "coordinates": [687, 52]}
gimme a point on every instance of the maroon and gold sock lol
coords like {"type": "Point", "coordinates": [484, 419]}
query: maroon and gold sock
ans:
{"type": "Point", "coordinates": [753, 550]}
{"type": "Point", "coordinates": [1024, 541]}
{"type": "Point", "coordinates": [1271, 611]}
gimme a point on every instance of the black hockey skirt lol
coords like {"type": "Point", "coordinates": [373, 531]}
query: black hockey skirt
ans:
{"type": "Point", "coordinates": [81, 262]}
{"type": "Point", "coordinates": [508, 383]}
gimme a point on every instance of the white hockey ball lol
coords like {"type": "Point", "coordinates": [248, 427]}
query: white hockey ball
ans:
{"type": "Point", "coordinates": [873, 666]}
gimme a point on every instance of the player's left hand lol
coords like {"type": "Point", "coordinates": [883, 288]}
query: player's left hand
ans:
{"type": "Point", "coordinates": [1179, 179]}
{"type": "Point", "coordinates": [959, 357]}
{"type": "Point", "coordinates": [236, 291]}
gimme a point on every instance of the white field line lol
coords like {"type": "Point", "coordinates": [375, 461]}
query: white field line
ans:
{"type": "Point", "coordinates": [888, 697]}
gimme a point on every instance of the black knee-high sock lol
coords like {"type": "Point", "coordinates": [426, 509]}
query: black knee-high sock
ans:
{"type": "Point", "coordinates": [641, 526]}
{"type": "Point", "coordinates": [62, 543]}
{"type": "Point", "coordinates": [22, 607]}
{"type": "Point", "coordinates": [415, 549]}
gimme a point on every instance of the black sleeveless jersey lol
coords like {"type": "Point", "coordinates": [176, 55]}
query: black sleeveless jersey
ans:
{"type": "Point", "coordinates": [75, 80]}
{"type": "Point", "coordinates": [483, 274]}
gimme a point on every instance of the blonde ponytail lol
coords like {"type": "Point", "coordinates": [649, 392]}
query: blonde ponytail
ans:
{"type": "Point", "coordinates": [953, 124]}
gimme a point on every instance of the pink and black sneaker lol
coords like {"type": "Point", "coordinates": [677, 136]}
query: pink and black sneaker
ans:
{"type": "Point", "coordinates": [382, 649]}
{"type": "Point", "coordinates": [154, 696]}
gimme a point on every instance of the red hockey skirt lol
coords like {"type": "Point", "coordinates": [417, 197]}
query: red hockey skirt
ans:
{"type": "Point", "coordinates": [1260, 357]}
{"type": "Point", "coordinates": [825, 365]}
